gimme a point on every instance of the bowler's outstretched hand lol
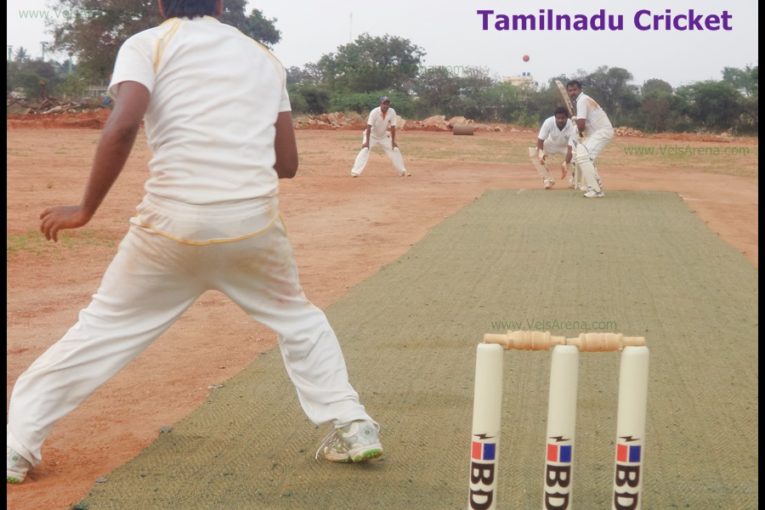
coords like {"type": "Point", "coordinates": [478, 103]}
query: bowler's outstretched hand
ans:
{"type": "Point", "coordinates": [54, 219]}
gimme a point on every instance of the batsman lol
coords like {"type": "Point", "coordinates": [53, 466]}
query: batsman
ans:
{"type": "Point", "coordinates": [595, 131]}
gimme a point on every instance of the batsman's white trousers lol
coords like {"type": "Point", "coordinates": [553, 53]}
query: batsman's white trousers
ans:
{"type": "Point", "coordinates": [151, 281]}
{"type": "Point", "coordinates": [587, 152]}
{"type": "Point", "coordinates": [387, 144]}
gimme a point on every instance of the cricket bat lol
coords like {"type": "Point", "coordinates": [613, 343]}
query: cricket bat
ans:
{"type": "Point", "coordinates": [566, 100]}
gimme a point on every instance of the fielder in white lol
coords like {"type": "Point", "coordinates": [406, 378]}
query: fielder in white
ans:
{"type": "Point", "coordinates": [381, 130]}
{"type": "Point", "coordinates": [554, 138]}
{"type": "Point", "coordinates": [595, 131]}
{"type": "Point", "coordinates": [217, 119]}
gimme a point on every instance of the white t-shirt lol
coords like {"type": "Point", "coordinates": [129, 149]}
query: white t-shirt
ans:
{"type": "Point", "coordinates": [379, 123]}
{"type": "Point", "coordinates": [215, 97]}
{"type": "Point", "coordinates": [594, 117]}
{"type": "Point", "coordinates": [557, 137]}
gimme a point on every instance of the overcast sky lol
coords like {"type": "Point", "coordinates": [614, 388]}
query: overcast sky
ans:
{"type": "Point", "coordinates": [451, 34]}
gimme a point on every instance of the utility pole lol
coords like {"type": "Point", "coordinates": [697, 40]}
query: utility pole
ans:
{"type": "Point", "coordinates": [43, 45]}
{"type": "Point", "coordinates": [350, 29]}
{"type": "Point", "coordinates": [10, 51]}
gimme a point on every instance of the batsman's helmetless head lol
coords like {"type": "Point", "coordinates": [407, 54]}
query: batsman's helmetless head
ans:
{"type": "Point", "coordinates": [384, 103]}
{"type": "Point", "coordinates": [574, 88]}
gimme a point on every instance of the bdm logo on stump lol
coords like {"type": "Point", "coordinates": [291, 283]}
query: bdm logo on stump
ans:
{"type": "Point", "coordinates": [558, 475]}
{"type": "Point", "coordinates": [483, 460]}
{"type": "Point", "coordinates": [627, 477]}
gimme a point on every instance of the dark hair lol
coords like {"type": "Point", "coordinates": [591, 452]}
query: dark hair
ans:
{"type": "Point", "coordinates": [577, 83]}
{"type": "Point", "coordinates": [188, 8]}
{"type": "Point", "coordinates": [561, 111]}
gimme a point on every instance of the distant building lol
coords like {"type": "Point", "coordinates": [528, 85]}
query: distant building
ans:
{"type": "Point", "coordinates": [524, 80]}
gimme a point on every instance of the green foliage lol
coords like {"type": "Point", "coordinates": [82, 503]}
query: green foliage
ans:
{"type": "Point", "coordinates": [72, 86]}
{"type": "Point", "coordinates": [94, 30]}
{"type": "Point", "coordinates": [656, 108]}
{"type": "Point", "coordinates": [34, 77]}
{"type": "Point", "coordinates": [363, 102]}
{"type": "Point", "coordinates": [371, 63]}
{"type": "Point", "coordinates": [610, 88]}
{"type": "Point", "coordinates": [744, 80]}
{"type": "Point", "coordinates": [436, 89]}
{"type": "Point", "coordinates": [21, 55]}
{"type": "Point", "coordinates": [309, 98]}
{"type": "Point", "coordinates": [655, 87]}
{"type": "Point", "coordinates": [712, 105]}
{"type": "Point", "coordinates": [308, 74]}
{"type": "Point", "coordinates": [257, 26]}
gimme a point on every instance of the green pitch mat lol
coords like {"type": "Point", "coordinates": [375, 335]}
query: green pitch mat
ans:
{"type": "Point", "coordinates": [640, 263]}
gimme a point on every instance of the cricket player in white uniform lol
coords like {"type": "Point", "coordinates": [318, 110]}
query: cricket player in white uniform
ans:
{"type": "Point", "coordinates": [380, 130]}
{"type": "Point", "coordinates": [595, 131]}
{"type": "Point", "coordinates": [217, 119]}
{"type": "Point", "coordinates": [554, 138]}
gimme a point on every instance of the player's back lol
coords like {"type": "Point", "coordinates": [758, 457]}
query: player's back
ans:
{"type": "Point", "coordinates": [215, 97]}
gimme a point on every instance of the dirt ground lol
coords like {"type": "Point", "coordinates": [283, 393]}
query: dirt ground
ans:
{"type": "Point", "coordinates": [343, 230]}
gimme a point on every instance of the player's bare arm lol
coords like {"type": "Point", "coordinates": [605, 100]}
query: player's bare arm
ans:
{"type": "Point", "coordinates": [393, 143]}
{"type": "Point", "coordinates": [566, 162]}
{"type": "Point", "coordinates": [286, 165]}
{"type": "Point", "coordinates": [117, 139]}
{"type": "Point", "coordinates": [541, 151]}
{"type": "Point", "coordinates": [365, 145]}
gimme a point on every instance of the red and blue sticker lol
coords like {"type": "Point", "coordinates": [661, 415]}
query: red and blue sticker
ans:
{"type": "Point", "coordinates": [559, 452]}
{"type": "Point", "coordinates": [627, 452]}
{"type": "Point", "coordinates": [483, 451]}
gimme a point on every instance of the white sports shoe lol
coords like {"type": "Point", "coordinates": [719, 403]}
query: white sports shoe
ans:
{"type": "Point", "coordinates": [16, 466]}
{"type": "Point", "coordinates": [549, 183]}
{"type": "Point", "coordinates": [404, 173]}
{"type": "Point", "coordinates": [594, 194]}
{"type": "Point", "coordinates": [354, 175]}
{"type": "Point", "coordinates": [358, 441]}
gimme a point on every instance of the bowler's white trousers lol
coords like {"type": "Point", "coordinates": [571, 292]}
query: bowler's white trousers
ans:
{"type": "Point", "coordinates": [387, 144]}
{"type": "Point", "coordinates": [152, 280]}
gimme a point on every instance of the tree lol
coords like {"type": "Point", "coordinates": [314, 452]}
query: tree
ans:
{"type": "Point", "coordinates": [33, 76]}
{"type": "Point", "coordinates": [656, 107]}
{"type": "Point", "coordinates": [259, 27]}
{"type": "Point", "coordinates": [436, 88]}
{"type": "Point", "coordinates": [744, 80]}
{"type": "Point", "coordinates": [308, 74]}
{"type": "Point", "coordinates": [371, 63]}
{"type": "Point", "coordinates": [712, 105]}
{"type": "Point", "coordinates": [95, 29]}
{"type": "Point", "coordinates": [654, 87]}
{"type": "Point", "coordinates": [21, 55]}
{"type": "Point", "coordinates": [610, 88]}
{"type": "Point", "coordinates": [309, 98]}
